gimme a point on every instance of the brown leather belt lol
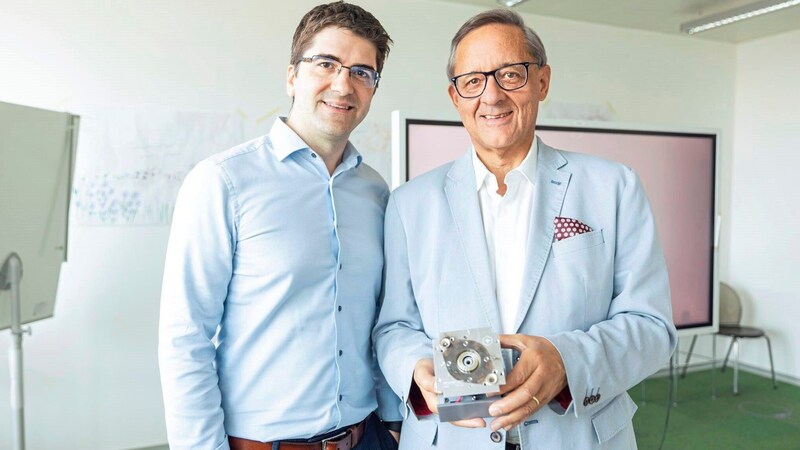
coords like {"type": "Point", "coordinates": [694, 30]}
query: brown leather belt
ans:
{"type": "Point", "coordinates": [345, 440]}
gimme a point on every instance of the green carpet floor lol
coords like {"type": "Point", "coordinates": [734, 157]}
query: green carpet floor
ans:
{"type": "Point", "coordinates": [758, 418]}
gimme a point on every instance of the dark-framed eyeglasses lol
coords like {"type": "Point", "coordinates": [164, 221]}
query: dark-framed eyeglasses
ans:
{"type": "Point", "coordinates": [329, 68]}
{"type": "Point", "coordinates": [509, 77]}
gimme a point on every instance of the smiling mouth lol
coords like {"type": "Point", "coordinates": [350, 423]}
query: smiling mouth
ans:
{"type": "Point", "coordinates": [340, 107]}
{"type": "Point", "coordinates": [496, 116]}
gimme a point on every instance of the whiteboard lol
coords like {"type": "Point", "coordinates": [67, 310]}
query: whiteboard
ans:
{"type": "Point", "coordinates": [678, 169]}
{"type": "Point", "coordinates": [132, 161]}
{"type": "Point", "coordinates": [36, 159]}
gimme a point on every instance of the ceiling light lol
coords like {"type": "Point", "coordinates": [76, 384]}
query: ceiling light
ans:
{"type": "Point", "coordinates": [510, 3]}
{"type": "Point", "coordinates": [735, 15]}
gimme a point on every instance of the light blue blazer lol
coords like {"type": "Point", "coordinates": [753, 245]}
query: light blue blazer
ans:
{"type": "Point", "coordinates": [602, 298]}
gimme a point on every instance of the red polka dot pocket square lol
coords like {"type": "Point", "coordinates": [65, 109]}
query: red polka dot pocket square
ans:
{"type": "Point", "coordinates": [567, 228]}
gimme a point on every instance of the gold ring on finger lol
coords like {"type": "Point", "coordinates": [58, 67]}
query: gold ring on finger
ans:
{"type": "Point", "coordinates": [536, 400]}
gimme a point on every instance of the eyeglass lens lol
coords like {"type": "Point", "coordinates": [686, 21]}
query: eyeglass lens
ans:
{"type": "Point", "coordinates": [329, 68]}
{"type": "Point", "coordinates": [509, 78]}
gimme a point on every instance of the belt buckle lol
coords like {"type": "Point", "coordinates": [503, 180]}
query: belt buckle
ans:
{"type": "Point", "coordinates": [336, 439]}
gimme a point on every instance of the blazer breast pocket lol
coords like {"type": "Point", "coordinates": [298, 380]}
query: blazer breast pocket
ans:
{"type": "Point", "coordinates": [577, 243]}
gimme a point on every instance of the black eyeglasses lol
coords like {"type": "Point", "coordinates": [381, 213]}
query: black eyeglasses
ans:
{"type": "Point", "coordinates": [329, 68]}
{"type": "Point", "coordinates": [509, 77]}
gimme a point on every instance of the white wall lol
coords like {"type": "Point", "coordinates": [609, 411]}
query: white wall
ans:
{"type": "Point", "coordinates": [764, 241]}
{"type": "Point", "coordinates": [91, 372]}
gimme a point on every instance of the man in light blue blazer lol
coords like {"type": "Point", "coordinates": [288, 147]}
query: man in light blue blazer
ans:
{"type": "Point", "coordinates": [557, 251]}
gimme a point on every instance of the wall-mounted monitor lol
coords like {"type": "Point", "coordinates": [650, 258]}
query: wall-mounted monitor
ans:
{"type": "Point", "coordinates": [677, 167]}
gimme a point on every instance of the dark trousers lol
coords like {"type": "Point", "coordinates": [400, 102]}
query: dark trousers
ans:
{"type": "Point", "coordinates": [376, 436]}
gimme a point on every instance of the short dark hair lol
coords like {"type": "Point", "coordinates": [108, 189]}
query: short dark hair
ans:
{"type": "Point", "coordinates": [500, 16]}
{"type": "Point", "coordinates": [340, 15]}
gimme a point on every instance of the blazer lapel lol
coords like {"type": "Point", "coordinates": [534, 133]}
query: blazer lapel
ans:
{"type": "Point", "coordinates": [462, 196]}
{"type": "Point", "coordinates": [549, 191]}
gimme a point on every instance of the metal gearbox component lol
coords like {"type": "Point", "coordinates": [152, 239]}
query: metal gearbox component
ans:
{"type": "Point", "coordinates": [468, 364]}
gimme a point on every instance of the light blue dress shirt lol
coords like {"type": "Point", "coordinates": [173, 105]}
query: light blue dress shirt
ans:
{"type": "Point", "coordinates": [283, 262]}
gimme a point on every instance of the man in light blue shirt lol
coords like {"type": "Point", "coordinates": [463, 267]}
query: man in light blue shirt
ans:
{"type": "Point", "coordinates": [276, 248]}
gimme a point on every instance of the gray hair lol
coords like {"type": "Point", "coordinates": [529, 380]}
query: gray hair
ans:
{"type": "Point", "coordinates": [499, 16]}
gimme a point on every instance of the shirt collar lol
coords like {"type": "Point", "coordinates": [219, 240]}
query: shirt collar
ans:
{"type": "Point", "coordinates": [527, 167]}
{"type": "Point", "coordinates": [481, 172]}
{"type": "Point", "coordinates": [350, 158]}
{"type": "Point", "coordinates": [285, 142]}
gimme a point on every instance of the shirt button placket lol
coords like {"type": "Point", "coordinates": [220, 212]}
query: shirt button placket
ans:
{"type": "Point", "coordinates": [337, 267]}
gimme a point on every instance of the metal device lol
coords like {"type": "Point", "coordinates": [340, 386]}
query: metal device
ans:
{"type": "Point", "coordinates": [468, 365]}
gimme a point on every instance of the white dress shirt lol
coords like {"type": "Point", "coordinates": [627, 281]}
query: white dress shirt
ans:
{"type": "Point", "coordinates": [506, 222]}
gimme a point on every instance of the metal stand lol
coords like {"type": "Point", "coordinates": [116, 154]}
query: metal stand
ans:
{"type": "Point", "coordinates": [713, 362]}
{"type": "Point", "coordinates": [10, 277]}
{"type": "Point", "coordinates": [644, 391]}
{"type": "Point", "coordinates": [713, 366]}
{"type": "Point", "coordinates": [688, 356]}
{"type": "Point", "coordinates": [675, 360]}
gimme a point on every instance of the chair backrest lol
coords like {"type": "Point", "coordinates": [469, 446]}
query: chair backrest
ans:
{"type": "Point", "coordinates": [730, 306]}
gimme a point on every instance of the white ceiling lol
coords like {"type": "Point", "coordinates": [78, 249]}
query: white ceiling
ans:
{"type": "Point", "coordinates": [663, 16]}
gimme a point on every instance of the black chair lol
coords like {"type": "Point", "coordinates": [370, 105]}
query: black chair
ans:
{"type": "Point", "coordinates": [730, 315]}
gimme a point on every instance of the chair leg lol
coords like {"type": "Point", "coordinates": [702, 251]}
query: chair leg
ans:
{"type": "Point", "coordinates": [688, 356]}
{"type": "Point", "coordinates": [771, 365]}
{"type": "Point", "coordinates": [727, 355]}
{"type": "Point", "coordinates": [736, 368]}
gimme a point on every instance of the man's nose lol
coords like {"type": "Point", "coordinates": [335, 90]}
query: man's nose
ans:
{"type": "Point", "coordinates": [341, 82]}
{"type": "Point", "coordinates": [493, 92]}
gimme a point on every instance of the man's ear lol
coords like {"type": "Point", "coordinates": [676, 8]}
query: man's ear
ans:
{"type": "Point", "coordinates": [291, 74]}
{"type": "Point", "coordinates": [454, 97]}
{"type": "Point", "coordinates": [544, 82]}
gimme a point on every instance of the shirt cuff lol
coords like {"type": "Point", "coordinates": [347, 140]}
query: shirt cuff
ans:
{"type": "Point", "coordinates": [393, 425]}
{"type": "Point", "coordinates": [417, 401]}
{"type": "Point", "coordinates": [564, 398]}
